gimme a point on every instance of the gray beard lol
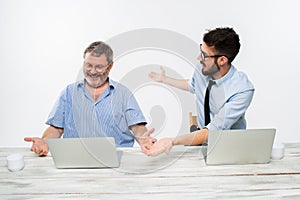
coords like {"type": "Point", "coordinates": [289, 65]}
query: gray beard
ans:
{"type": "Point", "coordinates": [93, 85]}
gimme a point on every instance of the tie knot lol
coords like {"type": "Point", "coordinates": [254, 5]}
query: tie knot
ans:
{"type": "Point", "coordinates": [211, 82]}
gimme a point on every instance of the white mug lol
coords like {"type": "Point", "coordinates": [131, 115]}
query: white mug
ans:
{"type": "Point", "coordinates": [278, 151]}
{"type": "Point", "coordinates": [15, 162]}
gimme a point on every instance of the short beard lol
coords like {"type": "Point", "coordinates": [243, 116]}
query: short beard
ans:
{"type": "Point", "coordinates": [212, 71]}
{"type": "Point", "coordinates": [93, 84]}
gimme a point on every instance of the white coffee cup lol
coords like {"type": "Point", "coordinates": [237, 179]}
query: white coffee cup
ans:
{"type": "Point", "coordinates": [278, 151]}
{"type": "Point", "coordinates": [15, 162]}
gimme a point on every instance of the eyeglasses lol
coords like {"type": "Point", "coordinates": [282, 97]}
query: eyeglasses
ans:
{"type": "Point", "coordinates": [204, 55]}
{"type": "Point", "coordinates": [98, 68]}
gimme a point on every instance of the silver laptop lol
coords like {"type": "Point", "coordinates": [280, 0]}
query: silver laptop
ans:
{"type": "Point", "coordinates": [230, 147]}
{"type": "Point", "coordinates": [84, 152]}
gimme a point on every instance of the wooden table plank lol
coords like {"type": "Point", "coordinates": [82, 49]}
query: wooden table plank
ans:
{"type": "Point", "coordinates": [182, 174]}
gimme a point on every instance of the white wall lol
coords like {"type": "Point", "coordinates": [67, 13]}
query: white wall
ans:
{"type": "Point", "coordinates": [42, 42]}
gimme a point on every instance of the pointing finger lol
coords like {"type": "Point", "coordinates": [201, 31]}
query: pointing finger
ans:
{"type": "Point", "coordinates": [28, 139]}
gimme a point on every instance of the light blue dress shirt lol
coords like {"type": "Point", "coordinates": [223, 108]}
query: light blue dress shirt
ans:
{"type": "Point", "coordinates": [110, 116]}
{"type": "Point", "coordinates": [230, 97]}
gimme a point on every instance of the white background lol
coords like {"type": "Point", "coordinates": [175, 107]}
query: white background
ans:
{"type": "Point", "coordinates": [42, 42]}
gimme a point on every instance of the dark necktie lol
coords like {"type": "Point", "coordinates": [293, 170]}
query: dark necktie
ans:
{"type": "Point", "coordinates": [206, 103]}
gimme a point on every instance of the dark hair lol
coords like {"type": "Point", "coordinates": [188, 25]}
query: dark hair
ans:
{"type": "Point", "coordinates": [98, 48]}
{"type": "Point", "coordinates": [224, 40]}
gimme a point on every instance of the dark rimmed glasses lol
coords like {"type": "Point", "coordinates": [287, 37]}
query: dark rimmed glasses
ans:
{"type": "Point", "coordinates": [204, 55]}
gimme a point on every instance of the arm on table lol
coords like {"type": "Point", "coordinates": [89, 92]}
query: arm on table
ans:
{"type": "Point", "coordinates": [166, 144]}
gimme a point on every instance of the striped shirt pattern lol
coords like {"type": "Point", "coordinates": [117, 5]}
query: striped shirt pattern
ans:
{"type": "Point", "coordinates": [110, 116]}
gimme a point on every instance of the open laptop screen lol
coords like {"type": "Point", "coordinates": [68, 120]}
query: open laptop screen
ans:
{"type": "Point", "coordinates": [83, 152]}
{"type": "Point", "coordinates": [239, 146]}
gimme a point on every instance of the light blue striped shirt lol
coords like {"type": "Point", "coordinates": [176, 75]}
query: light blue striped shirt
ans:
{"type": "Point", "coordinates": [111, 115]}
{"type": "Point", "coordinates": [230, 97]}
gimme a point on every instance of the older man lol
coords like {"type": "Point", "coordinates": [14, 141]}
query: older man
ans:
{"type": "Point", "coordinates": [96, 107]}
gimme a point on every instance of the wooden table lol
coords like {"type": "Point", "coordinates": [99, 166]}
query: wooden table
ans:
{"type": "Point", "coordinates": [181, 175]}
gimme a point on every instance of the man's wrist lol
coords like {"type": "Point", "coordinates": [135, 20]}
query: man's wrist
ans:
{"type": "Point", "coordinates": [173, 141]}
{"type": "Point", "coordinates": [139, 139]}
{"type": "Point", "coordinates": [164, 79]}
